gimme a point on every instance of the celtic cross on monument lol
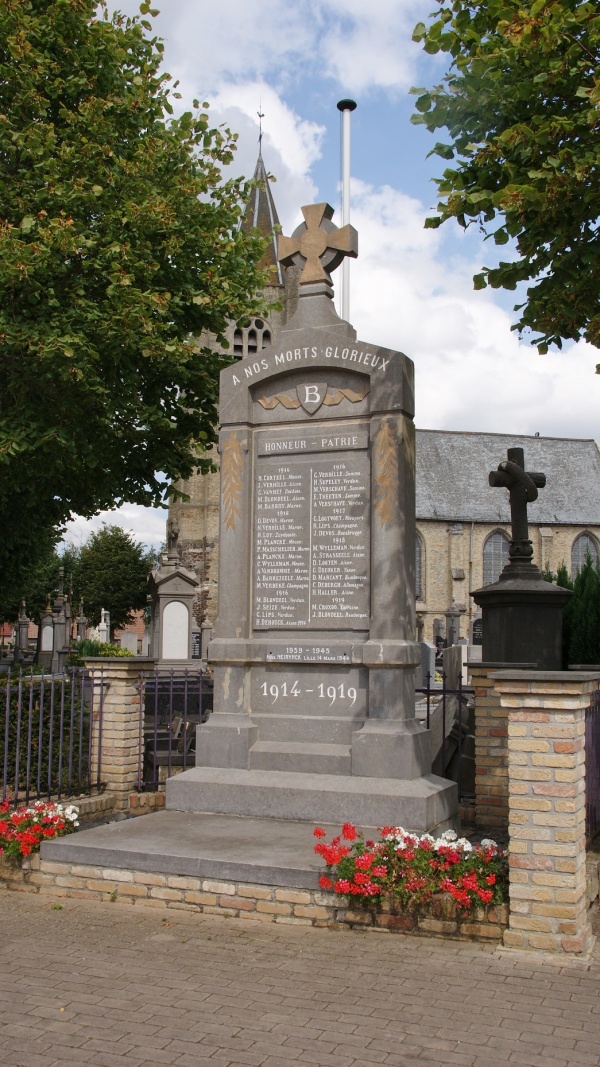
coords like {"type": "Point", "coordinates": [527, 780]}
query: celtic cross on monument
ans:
{"type": "Point", "coordinates": [523, 490]}
{"type": "Point", "coordinates": [318, 245]}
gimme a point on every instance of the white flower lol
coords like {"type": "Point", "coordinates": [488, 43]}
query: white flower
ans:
{"type": "Point", "coordinates": [486, 842]}
{"type": "Point", "coordinates": [465, 845]}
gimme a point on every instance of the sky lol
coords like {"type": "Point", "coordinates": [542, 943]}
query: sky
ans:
{"type": "Point", "coordinates": [411, 288]}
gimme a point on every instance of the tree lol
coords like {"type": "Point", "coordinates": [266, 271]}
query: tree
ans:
{"type": "Point", "coordinates": [112, 573]}
{"type": "Point", "coordinates": [521, 104]}
{"type": "Point", "coordinates": [39, 582]}
{"type": "Point", "coordinates": [582, 616]}
{"type": "Point", "coordinates": [119, 240]}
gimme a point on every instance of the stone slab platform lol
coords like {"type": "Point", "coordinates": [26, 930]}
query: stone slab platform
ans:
{"type": "Point", "coordinates": [223, 847]}
{"type": "Point", "coordinates": [420, 804]}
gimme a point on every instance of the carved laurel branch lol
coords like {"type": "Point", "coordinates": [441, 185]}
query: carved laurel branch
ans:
{"type": "Point", "coordinates": [330, 399]}
{"type": "Point", "coordinates": [232, 463]}
{"type": "Point", "coordinates": [386, 478]}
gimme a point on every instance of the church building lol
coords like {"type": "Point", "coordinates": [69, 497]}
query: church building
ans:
{"type": "Point", "coordinates": [463, 525]}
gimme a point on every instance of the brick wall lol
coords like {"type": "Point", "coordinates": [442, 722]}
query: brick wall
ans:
{"type": "Point", "coordinates": [116, 723]}
{"type": "Point", "coordinates": [546, 768]}
{"type": "Point", "coordinates": [491, 748]}
{"type": "Point", "coordinates": [262, 903]}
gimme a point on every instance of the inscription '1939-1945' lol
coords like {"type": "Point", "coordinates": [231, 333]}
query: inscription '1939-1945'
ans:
{"type": "Point", "coordinates": [312, 542]}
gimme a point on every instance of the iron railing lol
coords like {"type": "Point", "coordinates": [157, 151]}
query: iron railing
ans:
{"type": "Point", "coordinates": [458, 703]}
{"type": "Point", "coordinates": [172, 704]}
{"type": "Point", "coordinates": [592, 767]}
{"type": "Point", "coordinates": [51, 736]}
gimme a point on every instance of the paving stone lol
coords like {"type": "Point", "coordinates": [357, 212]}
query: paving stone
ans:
{"type": "Point", "coordinates": [202, 992]}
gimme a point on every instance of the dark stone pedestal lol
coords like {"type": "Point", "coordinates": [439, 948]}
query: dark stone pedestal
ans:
{"type": "Point", "coordinates": [522, 620]}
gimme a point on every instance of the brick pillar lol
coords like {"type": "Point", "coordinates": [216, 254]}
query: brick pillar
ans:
{"type": "Point", "coordinates": [116, 722]}
{"type": "Point", "coordinates": [546, 778]}
{"type": "Point", "coordinates": [491, 751]}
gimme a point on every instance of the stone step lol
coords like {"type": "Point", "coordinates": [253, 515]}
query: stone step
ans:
{"type": "Point", "coordinates": [307, 728]}
{"type": "Point", "coordinates": [427, 803]}
{"type": "Point", "coordinates": [300, 757]}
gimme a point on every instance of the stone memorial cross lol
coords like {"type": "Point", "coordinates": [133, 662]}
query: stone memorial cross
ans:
{"type": "Point", "coordinates": [523, 490]}
{"type": "Point", "coordinates": [321, 244]}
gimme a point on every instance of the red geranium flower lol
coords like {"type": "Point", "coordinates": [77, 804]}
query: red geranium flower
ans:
{"type": "Point", "coordinates": [318, 832]}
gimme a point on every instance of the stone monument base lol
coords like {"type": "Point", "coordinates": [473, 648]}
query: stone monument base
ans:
{"type": "Point", "coordinates": [225, 848]}
{"type": "Point", "coordinates": [424, 804]}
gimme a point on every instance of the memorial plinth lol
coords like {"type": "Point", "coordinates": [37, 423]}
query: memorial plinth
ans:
{"type": "Point", "coordinates": [314, 653]}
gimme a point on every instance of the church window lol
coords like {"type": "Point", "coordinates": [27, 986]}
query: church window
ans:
{"type": "Point", "coordinates": [583, 546]}
{"type": "Point", "coordinates": [419, 569]}
{"type": "Point", "coordinates": [266, 339]}
{"type": "Point", "coordinates": [252, 345]}
{"type": "Point", "coordinates": [238, 343]}
{"type": "Point", "coordinates": [495, 556]}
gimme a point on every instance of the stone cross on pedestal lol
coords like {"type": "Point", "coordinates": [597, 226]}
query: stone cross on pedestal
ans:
{"type": "Point", "coordinates": [523, 490]}
{"type": "Point", "coordinates": [320, 243]}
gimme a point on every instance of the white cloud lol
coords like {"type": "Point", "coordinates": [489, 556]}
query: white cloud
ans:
{"type": "Point", "coordinates": [361, 46]}
{"type": "Point", "coordinates": [147, 525]}
{"type": "Point", "coordinates": [291, 144]}
{"type": "Point", "coordinates": [412, 290]}
{"type": "Point", "coordinates": [369, 46]}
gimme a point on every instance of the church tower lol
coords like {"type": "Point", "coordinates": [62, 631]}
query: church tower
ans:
{"type": "Point", "coordinates": [198, 517]}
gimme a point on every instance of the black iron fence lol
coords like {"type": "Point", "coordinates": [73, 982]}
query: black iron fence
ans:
{"type": "Point", "coordinates": [592, 767]}
{"type": "Point", "coordinates": [172, 704]}
{"type": "Point", "coordinates": [448, 713]}
{"type": "Point", "coordinates": [50, 737]}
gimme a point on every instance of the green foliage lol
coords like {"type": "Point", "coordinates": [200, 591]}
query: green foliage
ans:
{"type": "Point", "coordinates": [89, 648]}
{"type": "Point", "coordinates": [521, 105]}
{"type": "Point", "coordinates": [563, 578]}
{"type": "Point", "coordinates": [581, 617]}
{"type": "Point", "coordinates": [37, 582]}
{"type": "Point", "coordinates": [119, 240]}
{"type": "Point", "coordinates": [547, 574]}
{"type": "Point", "coordinates": [52, 721]}
{"type": "Point", "coordinates": [113, 573]}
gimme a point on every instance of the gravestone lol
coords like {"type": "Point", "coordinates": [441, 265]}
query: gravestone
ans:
{"type": "Point", "coordinates": [521, 613]}
{"type": "Point", "coordinates": [104, 627]}
{"type": "Point", "coordinates": [313, 652]}
{"type": "Point", "coordinates": [129, 640]}
{"type": "Point", "coordinates": [427, 673]}
{"type": "Point", "coordinates": [172, 591]}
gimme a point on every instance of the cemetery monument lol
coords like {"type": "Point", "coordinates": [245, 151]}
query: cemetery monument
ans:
{"type": "Point", "coordinates": [521, 613]}
{"type": "Point", "coordinates": [314, 650]}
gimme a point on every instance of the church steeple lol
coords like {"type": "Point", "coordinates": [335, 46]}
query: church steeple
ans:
{"type": "Point", "coordinates": [261, 213]}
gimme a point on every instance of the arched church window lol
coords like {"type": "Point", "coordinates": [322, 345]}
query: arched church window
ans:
{"type": "Point", "coordinates": [419, 568]}
{"type": "Point", "coordinates": [252, 345]}
{"type": "Point", "coordinates": [495, 556]}
{"type": "Point", "coordinates": [583, 546]}
{"type": "Point", "coordinates": [266, 339]}
{"type": "Point", "coordinates": [238, 343]}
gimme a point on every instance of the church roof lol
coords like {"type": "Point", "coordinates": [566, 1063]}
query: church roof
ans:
{"type": "Point", "coordinates": [261, 213]}
{"type": "Point", "coordinates": [453, 468]}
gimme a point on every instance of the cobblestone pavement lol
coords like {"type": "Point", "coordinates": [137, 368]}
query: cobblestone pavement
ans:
{"type": "Point", "coordinates": [112, 985]}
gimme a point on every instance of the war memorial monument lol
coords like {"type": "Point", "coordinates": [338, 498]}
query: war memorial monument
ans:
{"type": "Point", "coordinates": [314, 653]}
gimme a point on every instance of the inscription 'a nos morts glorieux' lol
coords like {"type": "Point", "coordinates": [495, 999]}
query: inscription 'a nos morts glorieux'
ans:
{"type": "Point", "coordinates": [311, 535]}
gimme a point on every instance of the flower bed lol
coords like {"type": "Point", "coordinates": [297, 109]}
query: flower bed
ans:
{"type": "Point", "coordinates": [23, 830]}
{"type": "Point", "coordinates": [406, 870]}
